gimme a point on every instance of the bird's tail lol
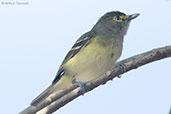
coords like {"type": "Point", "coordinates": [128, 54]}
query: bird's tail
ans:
{"type": "Point", "coordinates": [42, 96]}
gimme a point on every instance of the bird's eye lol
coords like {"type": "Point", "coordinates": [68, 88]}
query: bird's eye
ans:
{"type": "Point", "coordinates": [117, 18]}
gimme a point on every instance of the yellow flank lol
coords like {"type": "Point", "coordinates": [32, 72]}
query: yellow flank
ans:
{"type": "Point", "coordinates": [93, 60]}
{"type": "Point", "coordinates": [85, 54]}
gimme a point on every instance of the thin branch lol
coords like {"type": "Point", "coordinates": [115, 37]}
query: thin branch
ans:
{"type": "Point", "coordinates": [58, 100]}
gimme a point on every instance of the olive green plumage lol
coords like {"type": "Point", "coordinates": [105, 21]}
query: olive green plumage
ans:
{"type": "Point", "coordinates": [93, 54]}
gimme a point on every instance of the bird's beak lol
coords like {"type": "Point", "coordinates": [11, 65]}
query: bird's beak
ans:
{"type": "Point", "coordinates": [133, 16]}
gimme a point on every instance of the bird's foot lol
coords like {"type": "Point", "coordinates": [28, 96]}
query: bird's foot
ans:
{"type": "Point", "coordinates": [80, 84]}
{"type": "Point", "coordinates": [123, 67]}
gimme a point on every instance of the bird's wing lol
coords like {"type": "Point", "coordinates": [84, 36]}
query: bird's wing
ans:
{"type": "Point", "coordinates": [80, 44]}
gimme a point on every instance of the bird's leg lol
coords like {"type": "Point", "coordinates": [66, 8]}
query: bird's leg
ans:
{"type": "Point", "coordinates": [123, 67]}
{"type": "Point", "coordinates": [80, 84]}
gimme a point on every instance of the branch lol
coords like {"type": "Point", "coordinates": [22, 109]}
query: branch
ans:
{"type": "Point", "coordinates": [57, 100]}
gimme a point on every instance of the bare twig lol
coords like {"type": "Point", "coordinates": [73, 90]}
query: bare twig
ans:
{"type": "Point", "coordinates": [60, 99]}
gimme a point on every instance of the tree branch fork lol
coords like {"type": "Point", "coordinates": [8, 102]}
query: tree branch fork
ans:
{"type": "Point", "coordinates": [59, 99]}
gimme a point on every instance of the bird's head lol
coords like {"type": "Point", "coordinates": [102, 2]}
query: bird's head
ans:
{"type": "Point", "coordinates": [114, 23]}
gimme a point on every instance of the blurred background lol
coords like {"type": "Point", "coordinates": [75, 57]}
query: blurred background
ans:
{"type": "Point", "coordinates": [35, 37]}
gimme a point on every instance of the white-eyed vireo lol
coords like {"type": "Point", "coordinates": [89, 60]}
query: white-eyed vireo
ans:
{"type": "Point", "coordinates": [93, 54]}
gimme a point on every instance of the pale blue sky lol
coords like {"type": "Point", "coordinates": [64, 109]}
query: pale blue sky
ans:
{"type": "Point", "coordinates": [35, 38]}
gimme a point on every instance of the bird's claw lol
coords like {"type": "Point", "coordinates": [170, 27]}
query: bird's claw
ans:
{"type": "Point", "coordinates": [123, 67]}
{"type": "Point", "coordinates": [80, 84]}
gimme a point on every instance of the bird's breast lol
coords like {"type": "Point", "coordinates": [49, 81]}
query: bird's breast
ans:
{"type": "Point", "coordinates": [95, 59]}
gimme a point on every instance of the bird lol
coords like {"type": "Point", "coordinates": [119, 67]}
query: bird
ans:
{"type": "Point", "coordinates": [92, 55]}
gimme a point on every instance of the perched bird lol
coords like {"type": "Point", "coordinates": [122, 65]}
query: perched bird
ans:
{"type": "Point", "coordinates": [93, 54]}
